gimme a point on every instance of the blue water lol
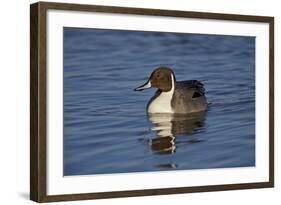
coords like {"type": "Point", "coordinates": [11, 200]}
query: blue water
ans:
{"type": "Point", "coordinates": [106, 128]}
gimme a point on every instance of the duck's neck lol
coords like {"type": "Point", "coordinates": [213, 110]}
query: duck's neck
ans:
{"type": "Point", "coordinates": [163, 102]}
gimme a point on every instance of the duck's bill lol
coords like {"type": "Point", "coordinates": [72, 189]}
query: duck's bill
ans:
{"type": "Point", "coordinates": [144, 86]}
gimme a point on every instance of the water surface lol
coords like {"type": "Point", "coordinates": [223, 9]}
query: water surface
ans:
{"type": "Point", "coordinates": [106, 128]}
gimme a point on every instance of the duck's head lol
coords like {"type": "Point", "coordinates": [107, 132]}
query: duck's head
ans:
{"type": "Point", "coordinates": [162, 78]}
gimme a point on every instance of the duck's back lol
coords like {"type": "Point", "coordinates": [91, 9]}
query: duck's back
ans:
{"type": "Point", "coordinates": [189, 96]}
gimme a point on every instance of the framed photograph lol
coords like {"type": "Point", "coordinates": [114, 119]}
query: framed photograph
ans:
{"type": "Point", "coordinates": [203, 121]}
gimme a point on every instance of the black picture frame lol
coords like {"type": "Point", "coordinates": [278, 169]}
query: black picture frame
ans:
{"type": "Point", "coordinates": [38, 100]}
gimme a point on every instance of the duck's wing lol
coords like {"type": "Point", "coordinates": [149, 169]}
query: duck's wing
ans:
{"type": "Point", "coordinates": [189, 96]}
{"type": "Point", "coordinates": [192, 85]}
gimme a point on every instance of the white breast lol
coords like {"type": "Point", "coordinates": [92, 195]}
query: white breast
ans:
{"type": "Point", "coordinates": [162, 104]}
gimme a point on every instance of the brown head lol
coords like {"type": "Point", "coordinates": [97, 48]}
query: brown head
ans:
{"type": "Point", "coordinates": [161, 78]}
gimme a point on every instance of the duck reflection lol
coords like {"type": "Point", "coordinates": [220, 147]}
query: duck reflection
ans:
{"type": "Point", "coordinates": [167, 127]}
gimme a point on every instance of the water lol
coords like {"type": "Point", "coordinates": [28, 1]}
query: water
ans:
{"type": "Point", "coordinates": [106, 129]}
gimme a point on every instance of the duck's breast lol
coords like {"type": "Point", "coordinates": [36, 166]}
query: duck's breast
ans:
{"type": "Point", "coordinates": [161, 102]}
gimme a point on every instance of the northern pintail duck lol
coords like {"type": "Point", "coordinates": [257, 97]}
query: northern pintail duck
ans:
{"type": "Point", "coordinates": [174, 97]}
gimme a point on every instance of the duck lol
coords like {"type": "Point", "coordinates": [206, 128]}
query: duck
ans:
{"type": "Point", "coordinates": [174, 97]}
